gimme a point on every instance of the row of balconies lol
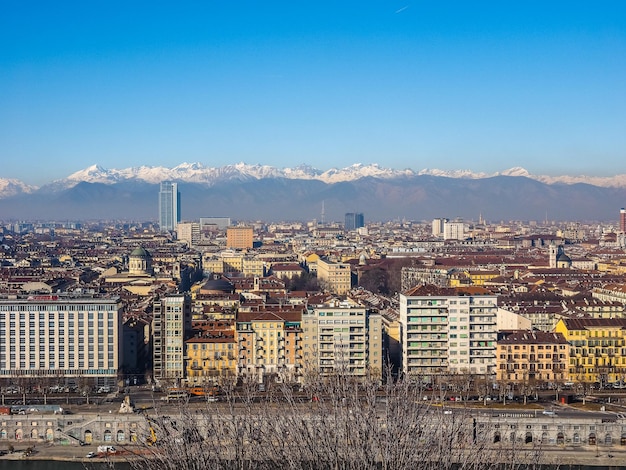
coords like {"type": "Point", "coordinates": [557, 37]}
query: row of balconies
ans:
{"type": "Point", "coordinates": [482, 354]}
{"type": "Point", "coordinates": [428, 353]}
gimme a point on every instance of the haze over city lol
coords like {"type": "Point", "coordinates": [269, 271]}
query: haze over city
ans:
{"type": "Point", "coordinates": [403, 84]}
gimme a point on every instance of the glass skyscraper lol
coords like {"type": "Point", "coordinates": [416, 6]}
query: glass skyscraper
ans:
{"type": "Point", "coordinates": [169, 206]}
{"type": "Point", "coordinates": [354, 220]}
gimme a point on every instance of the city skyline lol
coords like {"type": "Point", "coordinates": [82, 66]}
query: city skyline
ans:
{"type": "Point", "coordinates": [405, 85]}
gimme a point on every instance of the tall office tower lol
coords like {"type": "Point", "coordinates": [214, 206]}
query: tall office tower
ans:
{"type": "Point", "coordinates": [622, 220]}
{"type": "Point", "coordinates": [169, 206]}
{"type": "Point", "coordinates": [354, 220]}
{"type": "Point", "coordinates": [171, 325]}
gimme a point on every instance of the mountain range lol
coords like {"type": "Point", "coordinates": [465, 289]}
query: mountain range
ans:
{"type": "Point", "coordinates": [252, 192]}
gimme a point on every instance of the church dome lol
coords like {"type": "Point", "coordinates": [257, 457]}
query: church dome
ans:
{"type": "Point", "coordinates": [140, 252]}
{"type": "Point", "coordinates": [217, 286]}
{"type": "Point", "coordinates": [140, 262]}
{"type": "Point", "coordinates": [563, 258]}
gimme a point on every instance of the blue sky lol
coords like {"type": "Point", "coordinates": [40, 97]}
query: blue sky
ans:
{"type": "Point", "coordinates": [483, 86]}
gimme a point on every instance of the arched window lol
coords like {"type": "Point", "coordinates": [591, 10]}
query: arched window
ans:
{"type": "Point", "coordinates": [34, 434]}
{"type": "Point", "coordinates": [496, 437]}
{"type": "Point", "coordinates": [107, 436]}
{"type": "Point", "coordinates": [529, 438]}
{"type": "Point", "coordinates": [592, 439]}
{"type": "Point", "coordinates": [120, 435]}
{"type": "Point", "coordinates": [560, 438]}
{"type": "Point", "coordinates": [576, 438]}
{"type": "Point", "coordinates": [608, 440]}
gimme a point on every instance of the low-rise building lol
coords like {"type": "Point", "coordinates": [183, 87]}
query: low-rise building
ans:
{"type": "Point", "coordinates": [211, 353]}
{"type": "Point", "coordinates": [336, 277]}
{"type": "Point", "coordinates": [598, 348]}
{"type": "Point", "coordinates": [529, 356]}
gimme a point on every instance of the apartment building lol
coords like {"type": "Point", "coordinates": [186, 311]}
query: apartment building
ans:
{"type": "Point", "coordinates": [76, 338]}
{"type": "Point", "coordinates": [188, 232]}
{"type": "Point", "coordinates": [234, 263]}
{"type": "Point", "coordinates": [342, 337]}
{"type": "Point", "coordinates": [171, 326]}
{"type": "Point", "coordinates": [335, 277]}
{"type": "Point", "coordinates": [598, 348]}
{"type": "Point", "coordinates": [239, 237]}
{"type": "Point", "coordinates": [269, 342]}
{"type": "Point", "coordinates": [211, 353]}
{"type": "Point", "coordinates": [447, 330]}
{"type": "Point", "coordinates": [530, 356]}
{"type": "Point", "coordinates": [454, 231]}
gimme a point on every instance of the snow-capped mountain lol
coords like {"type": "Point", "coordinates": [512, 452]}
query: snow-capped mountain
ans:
{"type": "Point", "coordinates": [262, 192]}
{"type": "Point", "coordinates": [12, 187]}
{"type": "Point", "coordinates": [201, 174]}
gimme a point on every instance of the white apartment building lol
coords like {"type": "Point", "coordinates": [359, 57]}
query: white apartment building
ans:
{"type": "Point", "coordinates": [76, 339]}
{"type": "Point", "coordinates": [345, 338]}
{"type": "Point", "coordinates": [446, 330]}
{"type": "Point", "coordinates": [437, 227]}
{"type": "Point", "coordinates": [454, 231]}
{"type": "Point", "coordinates": [171, 324]}
{"type": "Point", "coordinates": [188, 232]}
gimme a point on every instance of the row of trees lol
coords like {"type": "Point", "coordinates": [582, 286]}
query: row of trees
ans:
{"type": "Point", "coordinates": [345, 425]}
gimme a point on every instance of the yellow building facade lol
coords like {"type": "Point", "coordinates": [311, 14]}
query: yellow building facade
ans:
{"type": "Point", "coordinates": [211, 360]}
{"type": "Point", "coordinates": [597, 349]}
{"type": "Point", "coordinates": [336, 277]}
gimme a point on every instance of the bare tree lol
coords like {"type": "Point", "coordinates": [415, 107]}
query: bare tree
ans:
{"type": "Point", "coordinates": [353, 425]}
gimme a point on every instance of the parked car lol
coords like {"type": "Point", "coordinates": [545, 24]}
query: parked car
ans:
{"type": "Point", "coordinates": [91, 455]}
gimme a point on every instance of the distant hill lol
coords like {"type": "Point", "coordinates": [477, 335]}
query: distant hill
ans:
{"type": "Point", "coordinates": [381, 195]}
